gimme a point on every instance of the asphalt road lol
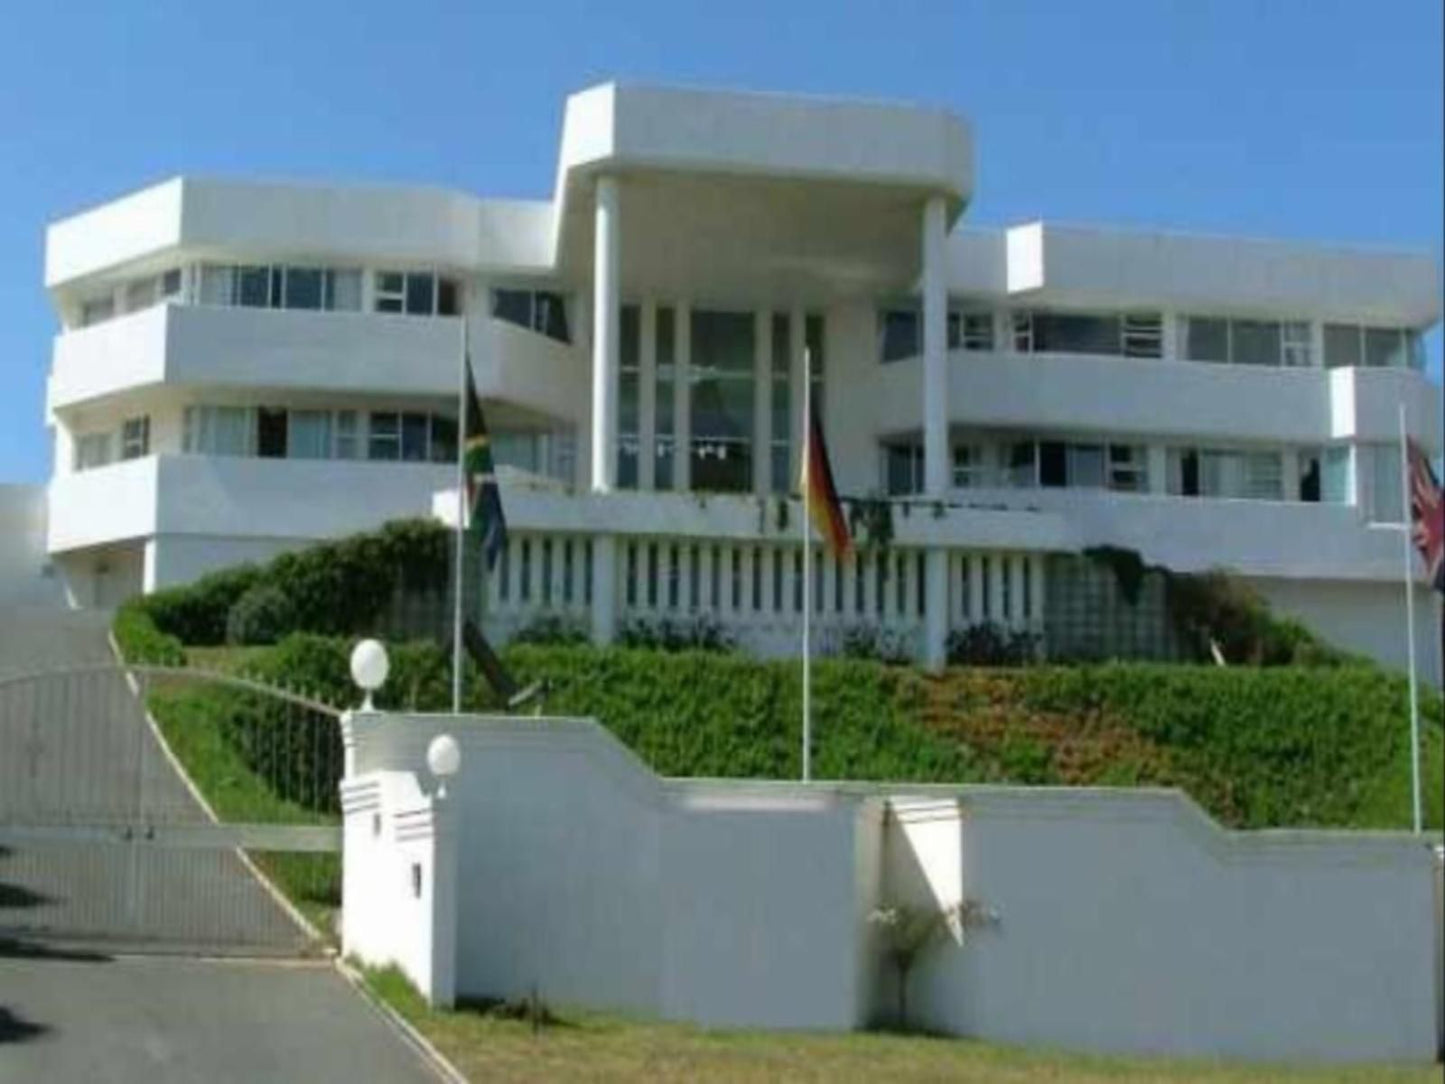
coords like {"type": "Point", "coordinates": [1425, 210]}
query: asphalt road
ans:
{"type": "Point", "coordinates": [168, 1020]}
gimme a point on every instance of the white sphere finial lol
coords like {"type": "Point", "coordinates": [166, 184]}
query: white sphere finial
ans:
{"type": "Point", "coordinates": [369, 667]}
{"type": "Point", "coordinates": [443, 757]}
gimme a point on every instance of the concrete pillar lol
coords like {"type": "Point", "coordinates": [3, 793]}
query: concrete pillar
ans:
{"type": "Point", "coordinates": [935, 613]}
{"type": "Point", "coordinates": [604, 588]}
{"type": "Point", "coordinates": [605, 338]}
{"type": "Point", "coordinates": [682, 401]}
{"type": "Point", "coordinates": [935, 350]}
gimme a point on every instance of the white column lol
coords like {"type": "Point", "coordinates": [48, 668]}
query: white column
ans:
{"type": "Point", "coordinates": [762, 402]}
{"type": "Point", "coordinates": [647, 398]}
{"type": "Point", "coordinates": [935, 350]}
{"type": "Point", "coordinates": [935, 614]}
{"type": "Point", "coordinates": [797, 374]}
{"type": "Point", "coordinates": [605, 338]}
{"type": "Point", "coordinates": [682, 401]}
{"type": "Point", "coordinates": [604, 588]}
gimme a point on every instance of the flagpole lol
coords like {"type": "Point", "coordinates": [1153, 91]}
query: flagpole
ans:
{"type": "Point", "coordinates": [459, 563]}
{"type": "Point", "coordinates": [807, 566]}
{"type": "Point", "coordinates": [1406, 518]}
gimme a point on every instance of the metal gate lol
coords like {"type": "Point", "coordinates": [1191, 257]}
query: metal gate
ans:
{"type": "Point", "coordinates": [167, 809]}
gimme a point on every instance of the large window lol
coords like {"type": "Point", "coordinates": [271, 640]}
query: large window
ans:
{"type": "Point", "coordinates": [1234, 341]}
{"type": "Point", "coordinates": [411, 437]}
{"type": "Point", "coordinates": [537, 310]}
{"type": "Point", "coordinates": [782, 404]}
{"type": "Point", "coordinates": [1229, 473]}
{"type": "Point", "coordinates": [417, 293]}
{"type": "Point", "coordinates": [900, 332]}
{"type": "Point", "coordinates": [1060, 464]}
{"type": "Point", "coordinates": [722, 401]}
{"type": "Point", "coordinates": [92, 450]}
{"type": "Point", "coordinates": [629, 391]}
{"type": "Point", "coordinates": [1373, 347]}
{"type": "Point", "coordinates": [903, 468]}
{"type": "Point", "coordinates": [550, 453]}
{"type": "Point", "coordinates": [281, 287]}
{"type": "Point", "coordinates": [211, 430]}
{"type": "Point", "coordinates": [135, 437]}
{"type": "Point", "coordinates": [1129, 335]}
{"type": "Point", "coordinates": [664, 453]}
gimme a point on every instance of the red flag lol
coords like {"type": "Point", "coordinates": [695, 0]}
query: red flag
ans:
{"type": "Point", "coordinates": [1427, 517]}
{"type": "Point", "coordinates": [818, 490]}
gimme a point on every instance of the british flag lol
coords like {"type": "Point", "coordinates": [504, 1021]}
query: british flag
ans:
{"type": "Point", "coordinates": [1427, 517]}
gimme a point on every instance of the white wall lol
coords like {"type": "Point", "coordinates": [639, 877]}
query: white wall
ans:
{"type": "Point", "coordinates": [1128, 922]}
{"type": "Point", "coordinates": [1122, 920]}
{"type": "Point", "coordinates": [26, 576]}
{"type": "Point", "coordinates": [1365, 617]}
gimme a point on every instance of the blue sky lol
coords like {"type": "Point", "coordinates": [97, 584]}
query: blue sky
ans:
{"type": "Point", "coordinates": [1293, 118]}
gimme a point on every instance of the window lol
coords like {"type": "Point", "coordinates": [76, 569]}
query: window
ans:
{"type": "Point", "coordinates": [97, 310]}
{"type": "Point", "coordinates": [1023, 464]}
{"type": "Point", "coordinates": [900, 335]}
{"type": "Point", "coordinates": [903, 468]}
{"type": "Point", "coordinates": [92, 450]}
{"type": "Point", "coordinates": [346, 434]}
{"type": "Point", "coordinates": [722, 400]}
{"type": "Point", "coordinates": [664, 451]}
{"type": "Point", "coordinates": [1143, 335]}
{"type": "Point", "coordinates": [443, 438]}
{"type": "Point", "coordinates": [1212, 472]}
{"type": "Point", "coordinates": [302, 288]}
{"type": "Point", "coordinates": [782, 404]}
{"type": "Point", "coordinates": [1335, 483]}
{"type": "Point", "coordinates": [1375, 347]}
{"type": "Point", "coordinates": [1247, 342]}
{"type": "Point", "coordinates": [263, 287]}
{"type": "Point", "coordinates": [970, 470]}
{"type": "Point", "coordinates": [1386, 500]}
{"type": "Point", "coordinates": [135, 437]}
{"type": "Point", "coordinates": [271, 433]}
{"type": "Point", "coordinates": [309, 436]}
{"type": "Point", "coordinates": [1308, 464]}
{"type": "Point", "coordinates": [970, 330]}
{"type": "Point", "coordinates": [536, 310]}
{"type": "Point", "coordinates": [629, 388]}
{"type": "Point", "coordinates": [384, 436]}
{"type": "Point", "coordinates": [1128, 468]}
{"type": "Point", "coordinates": [1059, 464]}
{"type": "Point", "coordinates": [417, 293]}
{"type": "Point", "coordinates": [217, 430]}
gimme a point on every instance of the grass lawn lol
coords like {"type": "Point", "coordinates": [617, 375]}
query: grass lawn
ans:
{"type": "Point", "coordinates": [494, 1046]}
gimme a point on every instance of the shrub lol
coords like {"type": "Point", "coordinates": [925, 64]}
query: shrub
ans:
{"type": "Point", "coordinates": [702, 633]}
{"type": "Point", "coordinates": [196, 613]}
{"type": "Point", "coordinates": [140, 641]}
{"type": "Point", "coordinates": [263, 615]}
{"type": "Point", "coordinates": [990, 644]}
{"type": "Point", "coordinates": [552, 629]}
{"type": "Point", "coordinates": [879, 644]}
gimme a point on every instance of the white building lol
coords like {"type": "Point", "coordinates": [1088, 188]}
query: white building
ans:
{"type": "Point", "coordinates": [244, 367]}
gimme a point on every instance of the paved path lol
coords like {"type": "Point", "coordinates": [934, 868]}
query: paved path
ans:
{"type": "Point", "coordinates": [166, 1020]}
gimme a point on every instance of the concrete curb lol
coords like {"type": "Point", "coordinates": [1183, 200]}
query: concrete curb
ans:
{"type": "Point", "coordinates": [424, 1048]}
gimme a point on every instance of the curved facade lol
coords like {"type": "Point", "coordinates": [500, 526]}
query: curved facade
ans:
{"type": "Point", "coordinates": [244, 367]}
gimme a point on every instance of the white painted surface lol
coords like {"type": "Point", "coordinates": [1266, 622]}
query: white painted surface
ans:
{"type": "Point", "coordinates": [26, 575]}
{"type": "Point", "coordinates": [1126, 920]}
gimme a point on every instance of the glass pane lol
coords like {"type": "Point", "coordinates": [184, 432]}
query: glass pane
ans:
{"type": "Point", "coordinates": [1021, 468]}
{"type": "Point", "coordinates": [1342, 345]}
{"type": "Point", "coordinates": [420, 293]}
{"type": "Point", "coordinates": [171, 283]}
{"type": "Point", "coordinates": [978, 331]}
{"type": "Point", "coordinates": [1206, 339]}
{"type": "Point", "coordinates": [303, 288]}
{"type": "Point", "coordinates": [1053, 463]}
{"type": "Point", "coordinates": [230, 430]}
{"type": "Point", "coordinates": [390, 282]}
{"type": "Point", "coordinates": [782, 479]}
{"type": "Point", "coordinates": [900, 335]}
{"type": "Point", "coordinates": [415, 441]}
{"type": "Point", "coordinates": [513, 306]}
{"type": "Point", "coordinates": [310, 434]}
{"type": "Point", "coordinates": [346, 434]}
{"type": "Point", "coordinates": [1075, 334]}
{"type": "Point", "coordinates": [1386, 499]}
{"type": "Point", "coordinates": [1384, 348]}
{"type": "Point", "coordinates": [1256, 342]}
{"type": "Point", "coordinates": [1086, 466]}
{"type": "Point", "coordinates": [629, 337]}
{"type": "Point", "coordinates": [663, 387]}
{"type": "Point", "coordinates": [271, 432]}
{"type": "Point", "coordinates": [346, 291]}
{"type": "Point", "coordinates": [384, 441]}
{"type": "Point", "coordinates": [898, 468]}
{"type": "Point", "coordinates": [448, 297]}
{"type": "Point", "coordinates": [722, 400]}
{"type": "Point", "coordinates": [216, 284]}
{"type": "Point", "coordinates": [1307, 461]}
{"type": "Point", "coordinates": [1335, 483]}
{"type": "Point", "coordinates": [443, 438]}
{"type": "Point", "coordinates": [782, 345]}
{"type": "Point", "coordinates": [253, 287]}
{"type": "Point", "coordinates": [552, 317]}
{"type": "Point", "coordinates": [813, 342]}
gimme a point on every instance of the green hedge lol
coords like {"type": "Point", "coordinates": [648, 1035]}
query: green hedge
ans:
{"type": "Point", "coordinates": [140, 641]}
{"type": "Point", "coordinates": [333, 588]}
{"type": "Point", "coordinates": [1256, 747]}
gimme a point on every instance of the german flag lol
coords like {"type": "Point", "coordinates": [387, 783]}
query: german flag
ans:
{"type": "Point", "coordinates": [819, 493]}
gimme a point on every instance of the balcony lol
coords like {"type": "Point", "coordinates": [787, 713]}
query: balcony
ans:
{"type": "Point", "coordinates": [285, 350]}
{"type": "Point", "coordinates": [224, 497]}
{"type": "Point", "coordinates": [1093, 393]}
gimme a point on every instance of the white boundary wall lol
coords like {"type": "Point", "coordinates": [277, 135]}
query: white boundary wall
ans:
{"type": "Point", "coordinates": [1126, 920]}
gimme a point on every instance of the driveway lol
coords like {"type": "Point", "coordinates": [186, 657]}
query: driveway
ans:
{"type": "Point", "coordinates": [162, 1020]}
